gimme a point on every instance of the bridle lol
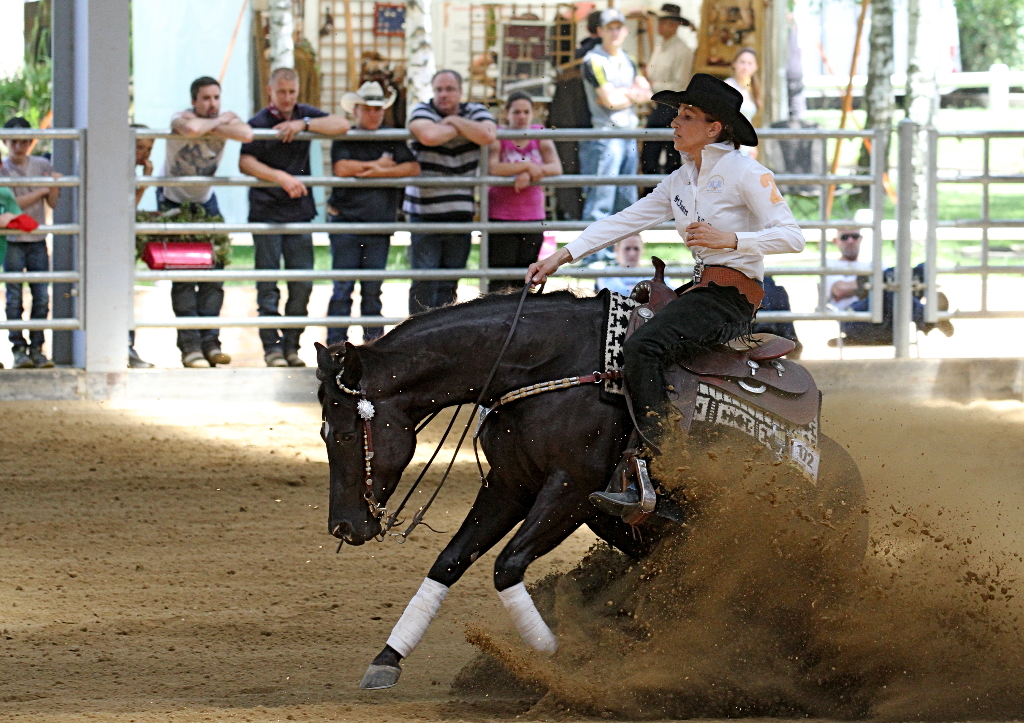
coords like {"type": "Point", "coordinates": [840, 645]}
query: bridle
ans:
{"type": "Point", "coordinates": [365, 409]}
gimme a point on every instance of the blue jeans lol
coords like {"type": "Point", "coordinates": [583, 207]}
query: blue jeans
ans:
{"type": "Point", "coordinates": [204, 298]}
{"type": "Point", "coordinates": [356, 251]}
{"type": "Point", "coordinates": [297, 252]}
{"type": "Point", "coordinates": [864, 332]}
{"type": "Point", "coordinates": [607, 157]}
{"type": "Point", "coordinates": [437, 251]}
{"type": "Point", "coordinates": [27, 256]}
{"type": "Point", "coordinates": [165, 204]}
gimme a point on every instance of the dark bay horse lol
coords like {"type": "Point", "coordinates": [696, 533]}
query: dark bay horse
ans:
{"type": "Point", "coordinates": [547, 453]}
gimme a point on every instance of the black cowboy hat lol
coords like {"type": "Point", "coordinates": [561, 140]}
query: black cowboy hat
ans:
{"type": "Point", "coordinates": [716, 97]}
{"type": "Point", "coordinates": [672, 12]}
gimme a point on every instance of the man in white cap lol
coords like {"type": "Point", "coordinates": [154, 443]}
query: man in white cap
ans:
{"type": "Point", "coordinates": [613, 84]}
{"type": "Point", "coordinates": [364, 159]}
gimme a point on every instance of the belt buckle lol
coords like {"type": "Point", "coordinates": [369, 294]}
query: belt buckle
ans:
{"type": "Point", "coordinates": [698, 271]}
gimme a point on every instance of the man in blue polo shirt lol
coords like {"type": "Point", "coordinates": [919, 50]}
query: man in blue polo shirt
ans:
{"type": "Point", "coordinates": [280, 161]}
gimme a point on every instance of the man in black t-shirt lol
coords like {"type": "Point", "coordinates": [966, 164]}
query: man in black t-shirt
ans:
{"type": "Point", "coordinates": [280, 161]}
{"type": "Point", "coordinates": [364, 159]}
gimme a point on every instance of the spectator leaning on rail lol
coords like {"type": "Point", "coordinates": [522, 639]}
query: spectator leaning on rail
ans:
{"type": "Point", "coordinates": [670, 68]}
{"type": "Point", "coordinates": [364, 159]}
{"type": "Point", "coordinates": [206, 131]}
{"type": "Point", "coordinates": [447, 135]}
{"type": "Point", "coordinates": [613, 86]}
{"type": "Point", "coordinates": [27, 252]}
{"type": "Point", "coordinates": [280, 161]}
{"type": "Point", "coordinates": [529, 161]}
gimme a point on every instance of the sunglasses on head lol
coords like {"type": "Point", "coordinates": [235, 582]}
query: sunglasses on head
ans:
{"type": "Point", "coordinates": [848, 236]}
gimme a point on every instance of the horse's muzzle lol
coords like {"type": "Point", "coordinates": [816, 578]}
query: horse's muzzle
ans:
{"type": "Point", "coordinates": [346, 532]}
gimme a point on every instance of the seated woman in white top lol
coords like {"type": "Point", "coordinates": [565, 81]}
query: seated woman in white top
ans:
{"type": "Point", "coordinates": [730, 214]}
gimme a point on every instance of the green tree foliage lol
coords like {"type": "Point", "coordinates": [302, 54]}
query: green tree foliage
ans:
{"type": "Point", "coordinates": [28, 92]}
{"type": "Point", "coordinates": [990, 32]}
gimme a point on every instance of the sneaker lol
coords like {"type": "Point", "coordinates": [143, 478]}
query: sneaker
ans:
{"type": "Point", "coordinates": [137, 362]}
{"type": "Point", "coordinates": [39, 359]}
{"type": "Point", "coordinates": [195, 360]}
{"type": "Point", "coordinates": [292, 357]}
{"type": "Point", "coordinates": [22, 360]}
{"type": "Point", "coordinates": [215, 356]}
{"type": "Point", "coordinates": [275, 359]}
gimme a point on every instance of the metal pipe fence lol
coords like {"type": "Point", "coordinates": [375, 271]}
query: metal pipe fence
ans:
{"type": "Point", "coordinates": [984, 223]}
{"type": "Point", "coordinates": [73, 276]}
{"type": "Point", "coordinates": [481, 182]}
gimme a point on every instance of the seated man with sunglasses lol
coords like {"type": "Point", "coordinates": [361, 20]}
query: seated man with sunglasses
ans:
{"type": "Point", "coordinates": [847, 292]}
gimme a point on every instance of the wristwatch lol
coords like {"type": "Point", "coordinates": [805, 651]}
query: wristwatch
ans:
{"type": "Point", "coordinates": [306, 120]}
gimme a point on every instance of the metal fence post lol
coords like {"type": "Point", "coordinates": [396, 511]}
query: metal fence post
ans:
{"type": "Point", "coordinates": [903, 293]}
{"type": "Point", "coordinates": [931, 246]}
{"type": "Point", "coordinates": [485, 211]}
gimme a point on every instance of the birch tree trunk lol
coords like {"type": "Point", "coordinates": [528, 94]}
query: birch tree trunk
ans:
{"type": "Point", "coordinates": [282, 39]}
{"type": "Point", "coordinates": [419, 49]}
{"type": "Point", "coordinates": [878, 97]}
{"type": "Point", "coordinates": [922, 99]}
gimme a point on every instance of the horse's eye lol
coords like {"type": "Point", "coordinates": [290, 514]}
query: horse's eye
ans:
{"type": "Point", "coordinates": [345, 437]}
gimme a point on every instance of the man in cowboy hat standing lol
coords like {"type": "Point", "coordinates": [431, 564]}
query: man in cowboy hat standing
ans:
{"type": "Point", "coordinates": [364, 159]}
{"type": "Point", "coordinates": [670, 68]}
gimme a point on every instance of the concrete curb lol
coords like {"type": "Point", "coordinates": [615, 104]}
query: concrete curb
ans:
{"type": "Point", "coordinates": [957, 380]}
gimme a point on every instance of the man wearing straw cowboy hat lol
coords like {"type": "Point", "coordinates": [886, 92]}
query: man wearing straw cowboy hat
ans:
{"type": "Point", "coordinates": [364, 159]}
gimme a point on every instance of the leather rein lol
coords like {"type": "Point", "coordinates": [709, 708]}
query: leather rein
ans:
{"type": "Point", "coordinates": [365, 409]}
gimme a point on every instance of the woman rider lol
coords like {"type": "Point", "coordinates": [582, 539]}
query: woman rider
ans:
{"type": "Point", "coordinates": [729, 212]}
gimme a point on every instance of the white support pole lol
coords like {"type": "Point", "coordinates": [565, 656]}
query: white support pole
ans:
{"type": "Point", "coordinates": [999, 88]}
{"type": "Point", "coordinates": [101, 106]}
{"type": "Point", "coordinates": [903, 293]}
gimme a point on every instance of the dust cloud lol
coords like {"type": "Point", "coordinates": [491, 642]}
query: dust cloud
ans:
{"type": "Point", "coordinates": [758, 608]}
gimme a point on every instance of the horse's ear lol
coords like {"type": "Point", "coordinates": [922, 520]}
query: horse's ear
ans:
{"type": "Point", "coordinates": [323, 356]}
{"type": "Point", "coordinates": [353, 370]}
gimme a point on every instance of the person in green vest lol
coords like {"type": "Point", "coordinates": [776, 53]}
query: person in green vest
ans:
{"type": "Point", "coordinates": [8, 210]}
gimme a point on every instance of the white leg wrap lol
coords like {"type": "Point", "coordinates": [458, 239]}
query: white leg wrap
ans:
{"type": "Point", "coordinates": [531, 626]}
{"type": "Point", "coordinates": [409, 629]}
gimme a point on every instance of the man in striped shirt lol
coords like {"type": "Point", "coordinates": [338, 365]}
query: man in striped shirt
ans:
{"type": "Point", "coordinates": [447, 136]}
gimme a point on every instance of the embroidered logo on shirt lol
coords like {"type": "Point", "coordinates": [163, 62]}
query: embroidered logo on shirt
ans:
{"type": "Point", "coordinates": [715, 184]}
{"type": "Point", "coordinates": [679, 202]}
{"type": "Point", "coordinates": [766, 181]}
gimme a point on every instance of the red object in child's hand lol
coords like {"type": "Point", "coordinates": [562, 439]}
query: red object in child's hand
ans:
{"type": "Point", "coordinates": [24, 222]}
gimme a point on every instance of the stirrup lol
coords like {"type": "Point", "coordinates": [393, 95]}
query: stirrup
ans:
{"type": "Point", "coordinates": [630, 481]}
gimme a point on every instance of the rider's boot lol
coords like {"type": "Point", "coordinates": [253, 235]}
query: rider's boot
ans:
{"type": "Point", "coordinates": [630, 493]}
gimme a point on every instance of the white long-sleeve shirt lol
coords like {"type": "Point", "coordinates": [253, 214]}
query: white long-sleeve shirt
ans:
{"type": "Point", "coordinates": [732, 193]}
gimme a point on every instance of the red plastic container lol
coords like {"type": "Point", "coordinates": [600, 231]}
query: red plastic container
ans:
{"type": "Point", "coordinates": [169, 255]}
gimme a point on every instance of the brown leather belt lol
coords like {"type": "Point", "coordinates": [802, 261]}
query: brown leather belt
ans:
{"type": "Point", "coordinates": [725, 276]}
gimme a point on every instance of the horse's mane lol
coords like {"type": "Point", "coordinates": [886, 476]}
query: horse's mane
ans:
{"type": "Point", "coordinates": [454, 312]}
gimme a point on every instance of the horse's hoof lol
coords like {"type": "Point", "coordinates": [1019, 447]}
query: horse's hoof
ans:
{"type": "Point", "coordinates": [379, 677]}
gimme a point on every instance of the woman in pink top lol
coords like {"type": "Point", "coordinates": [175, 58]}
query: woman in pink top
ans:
{"type": "Point", "coordinates": [529, 161]}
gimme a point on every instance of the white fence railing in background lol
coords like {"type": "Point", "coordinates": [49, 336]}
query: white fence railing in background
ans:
{"type": "Point", "coordinates": [983, 224]}
{"type": "Point", "coordinates": [873, 179]}
{"type": "Point", "coordinates": [901, 286]}
{"type": "Point", "coordinates": [73, 276]}
{"type": "Point", "coordinates": [998, 79]}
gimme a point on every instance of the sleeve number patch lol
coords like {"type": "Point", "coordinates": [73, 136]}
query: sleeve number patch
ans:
{"type": "Point", "coordinates": [768, 182]}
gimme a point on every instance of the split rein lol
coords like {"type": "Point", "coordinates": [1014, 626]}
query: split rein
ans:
{"type": "Point", "coordinates": [365, 409]}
